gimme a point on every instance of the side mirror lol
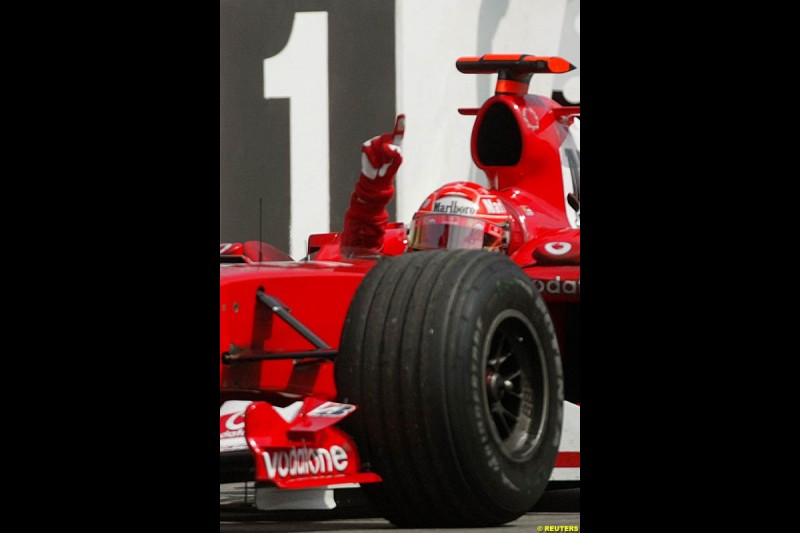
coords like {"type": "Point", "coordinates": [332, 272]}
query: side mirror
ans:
{"type": "Point", "coordinates": [574, 203]}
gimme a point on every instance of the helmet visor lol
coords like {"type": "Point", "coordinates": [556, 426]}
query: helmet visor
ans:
{"type": "Point", "coordinates": [431, 232]}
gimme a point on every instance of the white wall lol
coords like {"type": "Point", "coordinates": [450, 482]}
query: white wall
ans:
{"type": "Point", "coordinates": [290, 130]}
{"type": "Point", "coordinates": [430, 36]}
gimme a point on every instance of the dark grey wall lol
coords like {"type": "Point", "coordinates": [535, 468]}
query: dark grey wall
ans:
{"type": "Point", "coordinates": [254, 132]}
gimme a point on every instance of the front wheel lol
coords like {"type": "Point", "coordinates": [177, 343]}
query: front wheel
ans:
{"type": "Point", "coordinates": [453, 361]}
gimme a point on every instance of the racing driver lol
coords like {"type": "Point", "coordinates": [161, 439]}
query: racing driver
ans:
{"type": "Point", "coordinates": [459, 214]}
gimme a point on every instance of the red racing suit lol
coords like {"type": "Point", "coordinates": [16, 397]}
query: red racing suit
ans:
{"type": "Point", "coordinates": [366, 217]}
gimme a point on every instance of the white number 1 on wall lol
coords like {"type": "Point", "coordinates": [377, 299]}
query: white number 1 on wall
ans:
{"type": "Point", "coordinates": [300, 72]}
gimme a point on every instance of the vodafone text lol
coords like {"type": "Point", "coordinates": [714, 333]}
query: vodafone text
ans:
{"type": "Point", "coordinates": [305, 461]}
{"type": "Point", "coordinates": [558, 286]}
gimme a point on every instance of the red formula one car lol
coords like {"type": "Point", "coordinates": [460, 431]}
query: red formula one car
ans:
{"type": "Point", "coordinates": [443, 383]}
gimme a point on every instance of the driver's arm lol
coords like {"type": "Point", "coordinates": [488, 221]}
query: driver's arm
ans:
{"type": "Point", "coordinates": [366, 216]}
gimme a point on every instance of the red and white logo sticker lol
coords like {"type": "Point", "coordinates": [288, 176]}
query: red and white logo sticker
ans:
{"type": "Point", "coordinates": [231, 426]}
{"type": "Point", "coordinates": [332, 410]}
{"type": "Point", "coordinates": [557, 248]}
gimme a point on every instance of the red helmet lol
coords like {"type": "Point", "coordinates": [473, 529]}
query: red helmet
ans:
{"type": "Point", "coordinates": [460, 214]}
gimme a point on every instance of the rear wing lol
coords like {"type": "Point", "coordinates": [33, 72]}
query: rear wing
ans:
{"type": "Point", "coordinates": [514, 71]}
{"type": "Point", "coordinates": [517, 137]}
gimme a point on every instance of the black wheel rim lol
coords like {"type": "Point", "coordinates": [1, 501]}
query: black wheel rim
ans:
{"type": "Point", "coordinates": [516, 385]}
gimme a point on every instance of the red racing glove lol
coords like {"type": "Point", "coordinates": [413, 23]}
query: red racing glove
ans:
{"type": "Point", "coordinates": [366, 217]}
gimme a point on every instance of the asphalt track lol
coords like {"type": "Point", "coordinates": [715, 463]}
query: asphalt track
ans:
{"type": "Point", "coordinates": [557, 510]}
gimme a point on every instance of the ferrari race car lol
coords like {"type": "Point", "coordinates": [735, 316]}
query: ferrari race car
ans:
{"type": "Point", "coordinates": [443, 383]}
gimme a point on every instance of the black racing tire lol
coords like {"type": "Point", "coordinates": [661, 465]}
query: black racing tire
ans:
{"type": "Point", "coordinates": [453, 362]}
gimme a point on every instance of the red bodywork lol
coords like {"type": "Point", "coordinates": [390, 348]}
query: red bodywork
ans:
{"type": "Point", "coordinates": [318, 294]}
{"type": "Point", "coordinates": [305, 451]}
